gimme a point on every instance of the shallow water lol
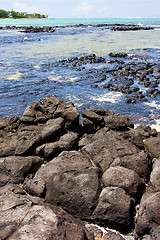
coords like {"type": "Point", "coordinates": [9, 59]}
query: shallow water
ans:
{"type": "Point", "coordinates": [26, 73]}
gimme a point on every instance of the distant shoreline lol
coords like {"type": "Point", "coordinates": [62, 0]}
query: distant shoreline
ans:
{"type": "Point", "coordinates": [20, 15]}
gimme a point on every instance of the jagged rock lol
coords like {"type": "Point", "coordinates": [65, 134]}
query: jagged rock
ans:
{"type": "Point", "coordinates": [23, 218]}
{"type": "Point", "coordinates": [139, 162]}
{"type": "Point", "coordinates": [102, 153]}
{"type": "Point", "coordinates": [51, 107]}
{"type": "Point", "coordinates": [66, 142]}
{"type": "Point", "coordinates": [120, 55]}
{"type": "Point", "coordinates": [148, 215]}
{"type": "Point", "coordinates": [95, 119]}
{"type": "Point", "coordinates": [152, 146]}
{"type": "Point", "coordinates": [14, 169]}
{"type": "Point", "coordinates": [114, 209]}
{"type": "Point", "coordinates": [154, 182]}
{"type": "Point", "coordinates": [124, 178]}
{"type": "Point", "coordinates": [52, 129]}
{"type": "Point", "coordinates": [43, 121]}
{"type": "Point", "coordinates": [69, 180]}
{"type": "Point", "coordinates": [108, 145]}
{"type": "Point", "coordinates": [118, 122]}
{"type": "Point", "coordinates": [139, 134]}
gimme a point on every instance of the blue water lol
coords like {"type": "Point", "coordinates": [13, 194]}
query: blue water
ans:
{"type": "Point", "coordinates": [27, 72]}
{"type": "Point", "coordinates": [73, 21]}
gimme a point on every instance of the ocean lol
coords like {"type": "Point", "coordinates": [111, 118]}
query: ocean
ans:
{"type": "Point", "coordinates": [30, 64]}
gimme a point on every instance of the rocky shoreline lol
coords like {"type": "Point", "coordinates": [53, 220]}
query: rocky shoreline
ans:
{"type": "Point", "coordinates": [124, 73]}
{"type": "Point", "coordinates": [59, 177]}
{"type": "Point", "coordinates": [112, 27]}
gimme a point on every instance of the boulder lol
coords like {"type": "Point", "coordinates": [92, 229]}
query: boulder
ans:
{"type": "Point", "coordinates": [114, 209]}
{"type": "Point", "coordinates": [148, 216]}
{"type": "Point", "coordinates": [14, 169]}
{"type": "Point", "coordinates": [69, 180]}
{"type": "Point", "coordinates": [108, 145]}
{"type": "Point", "coordinates": [43, 121]}
{"type": "Point", "coordinates": [139, 162]}
{"type": "Point", "coordinates": [95, 119]}
{"type": "Point", "coordinates": [118, 122]}
{"type": "Point", "coordinates": [65, 142]}
{"type": "Point", "coordinates": [154, 182]}
{"type": "Point", "coordinates": [152, 146]}
{"type": "Point", "coordinates": [52, 129]}
{"type": "Point", "coordinates": [124, 178]}
{"type": "Point", "coordinates": [25, 218]}
{"type": "Point", "coordinates": [139, 134]}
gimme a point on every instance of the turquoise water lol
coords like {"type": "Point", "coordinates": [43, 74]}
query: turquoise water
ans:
{"type": "Point", "coordinates": [25, 60]}
{"type": "Point", "coordinates": [73, 21]}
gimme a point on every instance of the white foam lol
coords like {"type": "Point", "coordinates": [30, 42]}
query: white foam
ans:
{"type": "Point", "coordinates": [153, 104]}
{"type": "Point", "coordinates": [37, 67]}
{"type": "Point", "coordinates": [108, 97]}
{"type": "Point", "coordinates": [73, 79]}
{"type": "Point", "coordinates": [15, 76]}
{"type": "Point", "coordinates": [156, 125]}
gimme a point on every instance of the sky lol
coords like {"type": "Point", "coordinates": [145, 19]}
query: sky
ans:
{"type": "Point", "coordinates": [86, 8]}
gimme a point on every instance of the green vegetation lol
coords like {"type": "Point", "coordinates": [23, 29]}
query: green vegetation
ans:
{"type": "Point", "coordinates": [13, 14]}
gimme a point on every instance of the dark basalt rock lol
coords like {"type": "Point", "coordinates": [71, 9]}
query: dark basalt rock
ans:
{"type": "Point", "coordinates": [98, 171]}
{"type": "Point", "coordinates": [117, 75]}
{"type": "Point", "coordinates": [119, 55]}
{"type": "Point", "coordinates": [70, 180]}
{"type": "Point", "coordinates": [152, 145]}
{"type": "Point", "coordinates": [114, 209]}
{"type": "Point", "coordinates": [148, 215]}
{"type": "Point", "coordinates": [26, 217]}
{"type": "Point", "coordinates": [42, 122]}
{"type": "Point", "coordinates": [131, 28]}
{"type": "Point", "coordinates": [33, 29]}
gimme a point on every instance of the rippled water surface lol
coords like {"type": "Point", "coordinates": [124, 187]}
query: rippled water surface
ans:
{"type": "Point", "coordinates": [27, 72]}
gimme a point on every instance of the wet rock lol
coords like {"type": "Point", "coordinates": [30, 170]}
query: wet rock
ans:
{"type": "Point", "coordinates": [130, 100]}
{"type": "Point", "coordinates": [131, 28]}
{"type": "Point", "coordinates": [156, 68]}
{"type": "Point", "coordinates": [120, 55]}
{"type": "Point", "coordinates": [35, 29]}
{"type": "Point", "coordinates": [114, 209]}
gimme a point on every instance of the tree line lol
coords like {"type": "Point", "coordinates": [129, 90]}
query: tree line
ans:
{"type": "Point", "coordinates": [13, 14]}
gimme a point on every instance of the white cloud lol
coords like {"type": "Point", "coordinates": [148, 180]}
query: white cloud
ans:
{"type": "Point", "coordinates": [22, 7]}
{"type": "Point", "coordinates": [89, 8]}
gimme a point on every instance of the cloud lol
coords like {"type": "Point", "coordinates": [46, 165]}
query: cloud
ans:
{"type": "Point", "coordinates": [22, 7]}
{"type": "Point", "coordinates": [86, 8]}
{"type": "Point", "coordinates": [89, 8]}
